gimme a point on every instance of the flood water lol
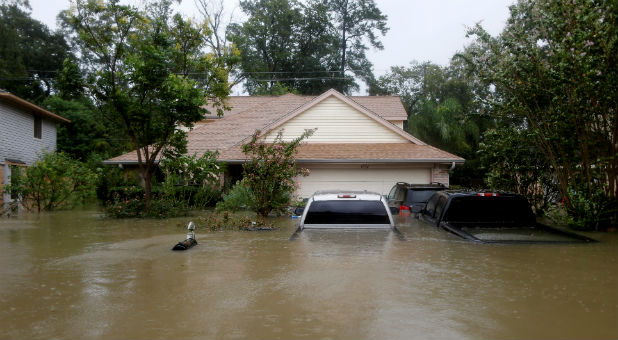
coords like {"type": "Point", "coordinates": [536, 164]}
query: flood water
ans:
{"type": "Point", "coordinates": [77, 275]}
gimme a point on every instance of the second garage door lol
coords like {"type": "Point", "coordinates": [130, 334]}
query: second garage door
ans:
{"type": "Point", "coordinates": [379, 180]}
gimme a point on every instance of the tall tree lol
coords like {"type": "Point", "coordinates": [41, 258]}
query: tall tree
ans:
{"type": "Point", "coordinates": [444, 109]}
{"type": "Point", "coordinates": [140, 66]}
{"type": "Point", "coordinates": [268, 42]}
{"type": "Point", "coordinates": [440, 102]}
{"type": "Point", "coordinates": [30, 54]}
{"type": "Point", "coordinates": [307, 47]}
{"type": "Point", "coordinates": [218, 21]}
{"type": "Point", "coordinates": [357, 22]}
{"type": "Point", "coordinates": [554, 70]}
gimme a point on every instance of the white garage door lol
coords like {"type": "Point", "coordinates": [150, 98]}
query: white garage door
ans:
{"type": "Point", "coordinates": [378, 180]}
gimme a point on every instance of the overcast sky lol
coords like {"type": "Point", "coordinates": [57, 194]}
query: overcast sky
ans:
{"type": "Point", "coordinates": [421, 30]}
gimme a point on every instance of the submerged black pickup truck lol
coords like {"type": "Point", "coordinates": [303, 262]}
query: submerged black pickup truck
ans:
{"type": "Point", "coordinates": [491, 217]}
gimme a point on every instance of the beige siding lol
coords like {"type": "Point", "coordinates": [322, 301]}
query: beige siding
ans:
{"type": "Point", "coordinates": [360, 177]}
{"type": "Point", "coordinates": [397, 123]}
{"type": "Point", "coordinates": [337, 122]}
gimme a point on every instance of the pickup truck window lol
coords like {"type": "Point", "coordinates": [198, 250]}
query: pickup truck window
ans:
{"type": "Point", "coordinates": [419, 196]}
{"type": "Point", "coordinates": [440, 206]}
{"type": "Point", "coordinates": [347, 212]}
{"type": "Point", "coordinates": [489, 209]}
{"type": "Point", "coordinates": [431, 205]}
{"type": "Point", "coordinates": [391, 195]}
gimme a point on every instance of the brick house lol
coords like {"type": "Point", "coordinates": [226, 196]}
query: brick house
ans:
{"type": "Point", "coordinates": [26, 130]}
{"type": "Point", "coordinates": [359, 143]}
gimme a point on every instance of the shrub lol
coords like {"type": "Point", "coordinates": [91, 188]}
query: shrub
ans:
{"type": "Point", "coordinates": [226, 220]}
{"type": "Point", "coordinates": [190, 183]}
{"type": "Point", "coordinates": [270, 172]}
{"type": "Point", "coordinates": [237, 198]}
{"type": "Point", "coordinates": [125, 207]}
{"type": "Point", "coordinates": [54, 182]}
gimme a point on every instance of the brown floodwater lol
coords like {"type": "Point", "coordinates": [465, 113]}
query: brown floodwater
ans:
{"type": "Point", "coordinates": [74, 274]}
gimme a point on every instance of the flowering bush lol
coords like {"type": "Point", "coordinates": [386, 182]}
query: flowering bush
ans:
{"type": "Point", "coordinates": [192, 170]}
{"type": "Point", "coordinates": [191, 182]}
{"type": "Point", "coordinates": [270, 171]}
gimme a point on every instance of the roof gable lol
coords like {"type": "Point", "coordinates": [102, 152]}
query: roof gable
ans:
{"type": "Point", "coordinates": [388, 131]}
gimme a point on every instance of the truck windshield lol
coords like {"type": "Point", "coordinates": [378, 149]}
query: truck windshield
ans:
{"type": "Point", "coordinates": [501, 209]}
{"type": "Point", "coordinates": [347, 212]}
{"type": "Point", "coordinates": [419, 196]}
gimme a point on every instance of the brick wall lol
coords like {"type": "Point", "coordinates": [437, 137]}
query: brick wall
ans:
{"type": "Point", "coordinates": [439, 173]}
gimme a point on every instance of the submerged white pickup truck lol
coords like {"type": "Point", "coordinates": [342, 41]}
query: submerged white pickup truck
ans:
{"type": "Point", "coordinates": [346, 210]}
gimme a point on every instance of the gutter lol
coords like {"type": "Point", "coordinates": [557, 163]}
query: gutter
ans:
{"type": "Point", "coordinates": [320, 160]}
{"type": "Point", "coordinates": [364, 160]}
{"type": "Point", "coordinates": [108, 162]}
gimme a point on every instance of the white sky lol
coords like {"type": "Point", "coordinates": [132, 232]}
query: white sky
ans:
{"type": "Point", "coordinates": [421, 30]}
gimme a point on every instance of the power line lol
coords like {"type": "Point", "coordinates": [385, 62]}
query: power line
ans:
{"type": "Point", "coordinates": [298, 79]}
{"type": "Point", "coordinates": [251, 72]}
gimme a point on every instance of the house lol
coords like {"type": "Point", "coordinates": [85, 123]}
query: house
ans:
{"type": "Point", "coordinates": [359, 143]}
{"type": "Point", "coordinates": [26, 131]}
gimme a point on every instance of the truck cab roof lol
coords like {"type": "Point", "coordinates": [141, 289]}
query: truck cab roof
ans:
{"type": "Point", "coordinates": [336, 209]}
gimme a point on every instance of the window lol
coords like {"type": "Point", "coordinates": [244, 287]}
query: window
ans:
{"type": "Point", "coordinates": [37, 127]}
{"type": "Point", "coordinates": [419, 196]}
{"type": "Point", "coordinates": [431, 205]}
{"type": "Point", "coordinates": [502, 209]}
{"type": "Point", "coordinates": [391, 195]}
{"type": "Point", "coordinates": [347, 212]}
{"type": "Point", "coordinates": [440, 207]}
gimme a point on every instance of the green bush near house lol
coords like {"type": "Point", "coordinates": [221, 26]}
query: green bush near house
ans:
{"type": "Point", "coordinates": [237, 198]}
{"type": "Point", "coordinates": [191, 183]}
{"type": "Point", "coordinates": [54, 182]}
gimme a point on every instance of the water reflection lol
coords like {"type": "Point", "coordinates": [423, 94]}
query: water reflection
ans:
{"type": "Point", "coordinates": [74, 275]}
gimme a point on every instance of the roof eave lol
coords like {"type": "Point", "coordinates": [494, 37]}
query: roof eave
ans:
{"type": "Point", "coordinates": [35, 109]}
{"type": "Point", "coordinates": [125, 162]}
{"type": "Point", "coordinates": [364, 160]}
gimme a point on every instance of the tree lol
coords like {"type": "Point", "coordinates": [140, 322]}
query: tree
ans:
{"type": "Point", "coordinates": [30, 54]}
{"type": "Point", "coordinates": [214, 14]}
{"type": "Point", "coordinates": [357, 23]}
{"type": "Point", "coordinates": [285, 44]}
{"type": "Point", "coordinates": [514, 165]}
{"type": "Point", "coordinates": [444, 110]}
{"type": "Point", "coordinates": [297, 45]}
{"type": "Point", "coordinates": [269, 173]}
{"type": "Point", "coordinates": [554, 73]}
{"type": "Point", "coordinates": [140, 67]}
{"type": "Point", "coordinates": [53, 182]}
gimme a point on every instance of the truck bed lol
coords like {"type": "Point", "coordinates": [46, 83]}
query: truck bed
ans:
{"type": "Point", "coordinates": [511, 233]}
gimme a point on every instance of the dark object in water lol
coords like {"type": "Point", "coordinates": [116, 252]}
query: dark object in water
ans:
{"type": "Point", "coordinates": [491, 217]}
{"type": "Point", "coordinates": [186, 244]}
{"type": "Point", "coordinates": [260, 228]}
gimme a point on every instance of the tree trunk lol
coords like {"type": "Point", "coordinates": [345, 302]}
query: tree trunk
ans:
{"type": "Point", "coordinates": [344, 47]}
{"type": "Point", "coordinates": [147, 189]}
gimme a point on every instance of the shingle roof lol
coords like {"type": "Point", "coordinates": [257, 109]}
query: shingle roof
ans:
{"type": "Point", "coordinates": [27, 106]}
{"type": "Point", "coordinates": [361, 152]}
{"type": "Point", "coordinates": [387, 107]}
{"type": "Point", "coordinates": [249, 114]}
